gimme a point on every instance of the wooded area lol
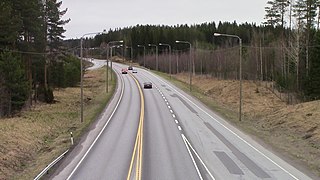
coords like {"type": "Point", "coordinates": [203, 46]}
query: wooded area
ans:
{"type": "Point", "coordinates": [283, 52]}
{"type": "Point", "coordinates": [33, 59]}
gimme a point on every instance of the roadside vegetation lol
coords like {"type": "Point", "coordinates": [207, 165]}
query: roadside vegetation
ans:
{"type": "Point", "coordinates": [33, 59]}
{"type": "Point", "coordinates": [34, 137]}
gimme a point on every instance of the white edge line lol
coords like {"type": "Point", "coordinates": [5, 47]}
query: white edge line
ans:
{"type": "Point", "coordinates": [190, 154]}
{"type": "Point", "coordinates": [195, 152]}
{"type": "Point", "coordinates": [229, 130]}
{"type": "Point", "coordinates": [174, 116]}
{"type": "Point", "coordinates": [179, 128]}
{"type": "Point", "coordinates": [176, 121]}
{"type": "Point", "coordinates": [83, 157]}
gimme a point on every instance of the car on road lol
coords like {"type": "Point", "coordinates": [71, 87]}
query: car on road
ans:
{"type": "Point", "coordinates": [130, 68]}
{"type": "Point", "coordinates": [134, 71]}
{"type": "Point", "coordinates": [124, 71]}
{"type": "Point", "coordinates": [147, 85]}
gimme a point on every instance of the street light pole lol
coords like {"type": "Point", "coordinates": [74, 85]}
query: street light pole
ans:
{"type": "Point", "coordinates": [81, 72]}
{"type": "Point", "coordinates": [107, 71]}
{"type": "Point", "coordinates": [144, 55]}
{"type": "Point", "coordinates": [190, 64]}
{"type": "Point", "coordinates": [111, 61]}
{"type": "Point", "coordinates": [161, 44]}
{"type": "Point", "coordinates": [240, 70]}
{"type": "Point", "coordinates": [157, 64]}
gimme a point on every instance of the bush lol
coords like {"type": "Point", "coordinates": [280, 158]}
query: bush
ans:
{"type": "Point", "coordinates": [65, 72]}
{"type": "Point", "coordinates": [49, 95]}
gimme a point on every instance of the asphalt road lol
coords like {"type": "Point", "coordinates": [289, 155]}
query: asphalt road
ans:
{"type": "Point", "coordinates": [182, 139]}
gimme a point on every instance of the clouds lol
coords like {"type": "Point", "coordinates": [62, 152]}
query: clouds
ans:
{"type": "Point", "coordinates": [96, 15]}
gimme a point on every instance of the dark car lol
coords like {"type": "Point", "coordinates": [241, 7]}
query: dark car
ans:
{"type": "Point", "coordinates": [147, 85]}
{"type": "Point", "coordinates": [130, 68]}
{"type": "Point", "coordinates": [124, 71]}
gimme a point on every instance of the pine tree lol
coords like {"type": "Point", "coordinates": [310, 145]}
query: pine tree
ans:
{"type": "Point", "coordinates": [13, 74]}
{"type": "Point", "coordinates": [10, 24]}
{"type": "Point", "coordinates": [276, 11]}
{"type": "Point", "coordinates": [53, 35]}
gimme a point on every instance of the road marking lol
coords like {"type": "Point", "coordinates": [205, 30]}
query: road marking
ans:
{"type": "Point", "coordinates": [95, 140]}
{"type": "Point", "coordinates": [235, 134]}
{"type": "Point", "coordinates": [165, 100]}
{"type": "Point", "coordinates": [192, 158]}
{"type": "Point", "coordinates": [195, 152]}
{"type": "Point", "coordinates": [187, 144]}
{"type": "Point", "coordinates": [139, 139]}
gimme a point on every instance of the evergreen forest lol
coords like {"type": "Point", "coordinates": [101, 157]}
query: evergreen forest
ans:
{"type": "Point", "coordinates": [283, 52]}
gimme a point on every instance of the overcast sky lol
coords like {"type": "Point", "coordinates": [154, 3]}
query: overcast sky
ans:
{"type": "Point", "coordinates": [96, 15]}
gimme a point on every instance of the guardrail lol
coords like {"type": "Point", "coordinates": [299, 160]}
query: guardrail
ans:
{"type": "Point", "coordinates": [47, 168]}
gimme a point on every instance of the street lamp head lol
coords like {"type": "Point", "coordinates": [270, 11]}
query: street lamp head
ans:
{"type": "Point", "coordinates": [217, 34]}
{"type": "Point", "coordinates": [149, 44]}
{"type": "Point", "coordinates": [177, 41]}
{"type": "Point", "coordinates": [160, 44]}
{"type": "Point", "coordinates": [121, 41]}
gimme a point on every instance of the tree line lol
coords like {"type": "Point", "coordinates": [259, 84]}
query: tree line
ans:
{"type": "Point", "coordinates": [284, 50]}
{"type": "Point", "coordinates": [33, 59]}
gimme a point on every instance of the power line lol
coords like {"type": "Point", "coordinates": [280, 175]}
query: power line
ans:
{"type": "Point", "coordinates": [37, 53]}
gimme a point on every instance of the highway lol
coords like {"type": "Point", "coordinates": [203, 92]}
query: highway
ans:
{"type": "Point", "coordinates": [163, 133]}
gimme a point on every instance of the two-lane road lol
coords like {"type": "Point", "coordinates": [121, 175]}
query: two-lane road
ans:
{"type": "Point", "coordinates": [182, 139]}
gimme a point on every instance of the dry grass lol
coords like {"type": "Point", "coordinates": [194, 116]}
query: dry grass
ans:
{"type": "Point", "coordinates": [292, 130]}
{"type": "Point", "coordinates": [35, 137]}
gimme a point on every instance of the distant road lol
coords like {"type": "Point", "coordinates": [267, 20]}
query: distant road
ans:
{"type": "Point", "coordinates": [182, 139]}
{"type": "Point", "coordinates": [96, 63]}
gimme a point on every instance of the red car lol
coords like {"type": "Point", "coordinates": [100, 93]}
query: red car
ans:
{"type": "Point", "coordinates": [124, 71]}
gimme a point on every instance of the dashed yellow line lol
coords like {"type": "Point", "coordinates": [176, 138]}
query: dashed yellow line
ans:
{"type": "Point", "coordinates": [138, 146]}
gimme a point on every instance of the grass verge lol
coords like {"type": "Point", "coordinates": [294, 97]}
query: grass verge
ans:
{"type": "Point", "coordinates": [35, 137]}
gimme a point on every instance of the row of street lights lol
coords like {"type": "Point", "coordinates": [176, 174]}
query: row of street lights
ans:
{"type": "Point", "coordinates": [157, 64]}
{"type": "Point", "coordinates": [190, 63]}
{"type": "Point", "coordinates": [81, 67]}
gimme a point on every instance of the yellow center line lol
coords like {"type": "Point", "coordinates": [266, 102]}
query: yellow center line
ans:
{"type": "Point", "coordinates": [139, 139]}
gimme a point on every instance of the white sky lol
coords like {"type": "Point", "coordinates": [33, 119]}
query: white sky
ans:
{"type": "Point", "coordinates": [96, 15]}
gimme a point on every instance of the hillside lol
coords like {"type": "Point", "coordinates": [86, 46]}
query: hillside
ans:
{"type": "Point", "coordinates": [291, 130]}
